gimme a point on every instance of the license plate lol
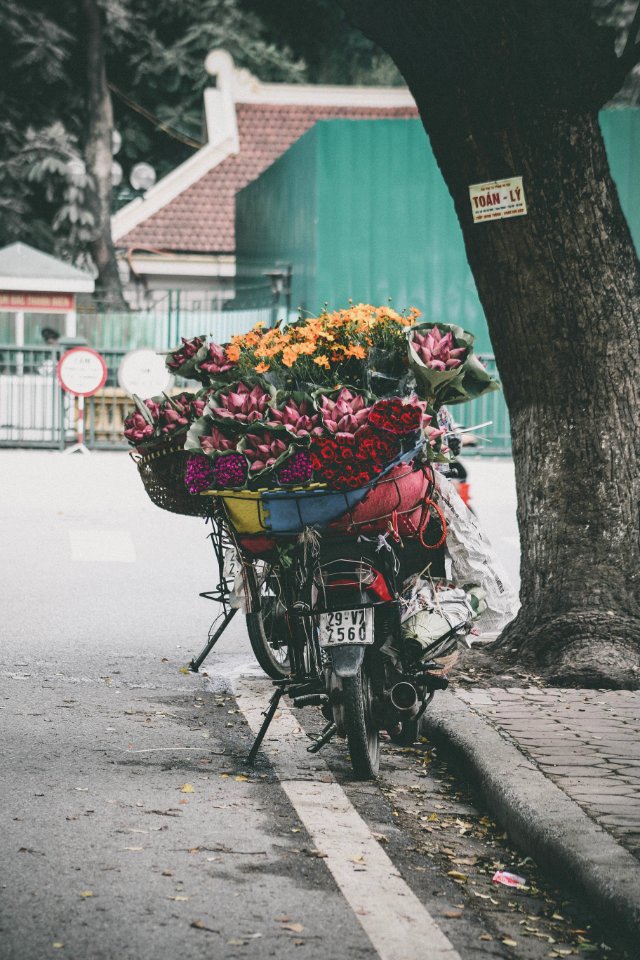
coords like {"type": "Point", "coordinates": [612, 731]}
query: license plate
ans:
{"type": "Point", "coordinates": [346, 626]}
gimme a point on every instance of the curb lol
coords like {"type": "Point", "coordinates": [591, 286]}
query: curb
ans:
{"type": "Point", "coordinates": [539, 817]}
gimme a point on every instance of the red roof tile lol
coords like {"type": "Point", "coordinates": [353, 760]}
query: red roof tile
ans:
{"type": "Point", "coordinates": [202, 218]}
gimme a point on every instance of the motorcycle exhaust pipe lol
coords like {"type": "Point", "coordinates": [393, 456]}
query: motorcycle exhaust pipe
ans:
{"type": "Point", "coordinates": [404, 698]}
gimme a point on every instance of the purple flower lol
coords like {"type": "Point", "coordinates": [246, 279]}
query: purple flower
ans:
{"type": "Point", "coordinates": [230, 470]}
{"type": "Point", "coordinates": [199, 474]}
{"type": "Point", "coordinates": [296, 469]}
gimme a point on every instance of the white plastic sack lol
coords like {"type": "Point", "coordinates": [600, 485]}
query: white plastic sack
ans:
{"type": "Point", "coordinates": [232, 571]}
{"type": "Point", "coordinates": [474, 559]}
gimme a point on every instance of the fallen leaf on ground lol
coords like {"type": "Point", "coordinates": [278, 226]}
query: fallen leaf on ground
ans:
{"type": "Point", "coordinates": [452, 914]}
{"type": "Point", "coordinates": [293, 927]}
{"type": "Point", "coordinates": [201, 925]}
{"type": "Point", "coordinates": [57, 945]}
{"type": "Point", "coordinates": [456, 875]}
{"type": "Point", "coordinates": [509, 943]}
{"type": "Point", "coordinates": [358, 859]}
{"type": "Point", "coordinates": [86, 893]}
{"type": "Point", "coordinates": [186, 788]}
{"type": "Point", "coordinates": [179, 898]}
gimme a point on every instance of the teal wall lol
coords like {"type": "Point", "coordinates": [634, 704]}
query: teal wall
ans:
{"type": "Point", "coordinates": [360, 211]}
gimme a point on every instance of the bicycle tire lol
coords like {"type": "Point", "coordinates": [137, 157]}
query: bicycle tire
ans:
{"type": "Point", "coordinates": [362, 733]}
{"type": "Point", "coordinates": [274, 660]}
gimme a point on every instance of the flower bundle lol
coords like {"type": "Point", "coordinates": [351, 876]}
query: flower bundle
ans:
{"type": "Point", "coordinates": [326, 350]}
{"type": "Point", "coordinates": [199, 473]}
{"type": "Point", "coordinates": [446, 369]}
{"type": "Point", "coordinates": [181, 361]}
{"type": "Point", "coordinates": [265, 449]}
{"type": "Point", "coordinates": [230, 470]}
{"type": "Point", "coordinates": [346, 461]}
{"type": "Point", "coordinates": [297, 413]}
{"type": "Point", "coordinates": [397, 416]}
{"type": "Point", "coordinates": [242, 403]}
{"type": "Point", "coordinates": [140, 427]}
{"type": "Point", "coordinates": [437, 351]}
{"type": "Point", "coordinates": [215, 363]}
{"type": "Point", "coordinates": [296, 469]}
{"type": "Point", "coordinates": [345, 412]}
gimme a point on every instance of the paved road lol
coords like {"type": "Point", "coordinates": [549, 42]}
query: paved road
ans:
{"type": "Point", "coordinates": [131, 827]}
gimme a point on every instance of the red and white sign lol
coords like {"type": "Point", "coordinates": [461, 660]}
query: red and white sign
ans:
{"type": "Point", "coordinates": [497, 200]}
{"type": "Point", "coordinates": [81, 371]}
{"type": "Point", "coordinates": [37, 302]}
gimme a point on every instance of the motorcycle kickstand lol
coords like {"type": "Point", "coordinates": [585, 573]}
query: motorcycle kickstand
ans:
{"type": "Point", "coordinates": [323, 739]}
{"type": "Point", "coordinates": [197, 662]}
{"type": "Point", "coordinates": [268, 717]}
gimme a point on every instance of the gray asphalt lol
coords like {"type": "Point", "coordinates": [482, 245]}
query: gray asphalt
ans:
{"type": "Point", "coordinates": [130, 826]}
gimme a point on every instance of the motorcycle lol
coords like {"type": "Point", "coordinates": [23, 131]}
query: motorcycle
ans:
{"type": "Point", "coordinates": [324, 620]}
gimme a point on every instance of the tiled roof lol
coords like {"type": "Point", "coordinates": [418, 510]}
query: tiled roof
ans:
{"type": "Point", "coordinates": [202, 218]}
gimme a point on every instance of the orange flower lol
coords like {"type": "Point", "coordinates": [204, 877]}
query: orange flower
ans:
{"type": "Point", "coordinates": [289, 356]}
{"type": "Point", "coordinates": [356, 351]}
{"type": "Point", "coordinates": [233, 352]}
{"type": "Point", "coordinates": [262, 368]}
{"type": "Point", "coordinates": [322, 362]}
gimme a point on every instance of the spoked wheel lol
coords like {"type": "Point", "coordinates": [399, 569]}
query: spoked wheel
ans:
{"type": "Point", "coordinates": [361, 730]}
{"type": "Point", "coordinates": [265, 629]}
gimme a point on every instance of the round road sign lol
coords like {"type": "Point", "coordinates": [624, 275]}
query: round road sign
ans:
{"type": "Point", "coordinates": [144, 373]}
{"type": "Point", "coordinates": [81, 371]}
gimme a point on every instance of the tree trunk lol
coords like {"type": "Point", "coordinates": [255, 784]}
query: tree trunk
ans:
{"type": "Point", "coordinates": [98, 156]}
{"type": "Point", "coordinates": [514, 90]}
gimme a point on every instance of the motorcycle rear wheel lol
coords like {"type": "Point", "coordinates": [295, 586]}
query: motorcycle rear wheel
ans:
{"type": "Point", "coordinates": [361, 730]}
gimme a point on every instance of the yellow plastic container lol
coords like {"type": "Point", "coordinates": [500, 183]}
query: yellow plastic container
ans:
{"type": "Point", "coordinates": [244, 508]}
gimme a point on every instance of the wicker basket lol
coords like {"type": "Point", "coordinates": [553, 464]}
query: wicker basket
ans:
{"type": "Point", "coordinates": [162, 473]}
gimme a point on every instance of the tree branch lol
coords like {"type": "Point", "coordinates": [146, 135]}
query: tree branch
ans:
{"type": "Point", "coordinates": [631, 53]}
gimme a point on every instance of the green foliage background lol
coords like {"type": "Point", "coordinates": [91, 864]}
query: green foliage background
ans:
{"type": "Point", "coordinates": [154, 52]}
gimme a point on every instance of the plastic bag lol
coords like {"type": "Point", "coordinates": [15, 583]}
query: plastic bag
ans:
{"type": "Point", "coordinates": [474, 559]}
{"type": "Point", "coordinates": [431, 610]}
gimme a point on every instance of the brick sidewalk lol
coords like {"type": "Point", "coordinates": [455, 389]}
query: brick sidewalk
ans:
{"type": "Point", "coordinates": [586, 741]}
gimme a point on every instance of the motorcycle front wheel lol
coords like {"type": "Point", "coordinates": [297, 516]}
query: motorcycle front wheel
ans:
{"type": "Point", "coordinates": [361, 730]}
{"type": "Point", "coordinates": [264, 628]}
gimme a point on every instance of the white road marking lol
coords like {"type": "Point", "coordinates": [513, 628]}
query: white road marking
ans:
{"type": "Point", "coordinates": [397, 924]}
{"type": "Point", "coordinates": [108, 546]}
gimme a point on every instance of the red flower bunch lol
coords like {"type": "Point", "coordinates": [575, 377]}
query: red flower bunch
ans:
{"type": "Point", "coordinates": [346, 462]}
{"type": "Point", "coordinates": [397, 417]}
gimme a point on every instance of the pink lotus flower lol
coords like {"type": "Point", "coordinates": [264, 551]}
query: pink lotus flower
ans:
{"type": "Point", "coordinates": [438, 351]}
{"type": "Point", "coordinates": [189, 348]}
{"type": "Point", "coordinates": [175, 412]}
{"type": "Point", "coordinates": [216, 361]}
{"type": "Point", "coordinates": [216, 441]}
{"type": "Point", "coordinates": [346, 413]}
{"type": "Point", "coordinates": [243, 404]}
{"type": "Point", "coordinates": [262, 450]}
{"type": "Point", "coordinates": [298, 418]}
{"type": "Point", "coordinates": [136, 428]}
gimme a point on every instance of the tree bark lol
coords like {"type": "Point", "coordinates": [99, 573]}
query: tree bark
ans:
{"type": "Point", "coordinates": [98, 156]}
{"type": "Point", "coordinates": [514, 89]}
